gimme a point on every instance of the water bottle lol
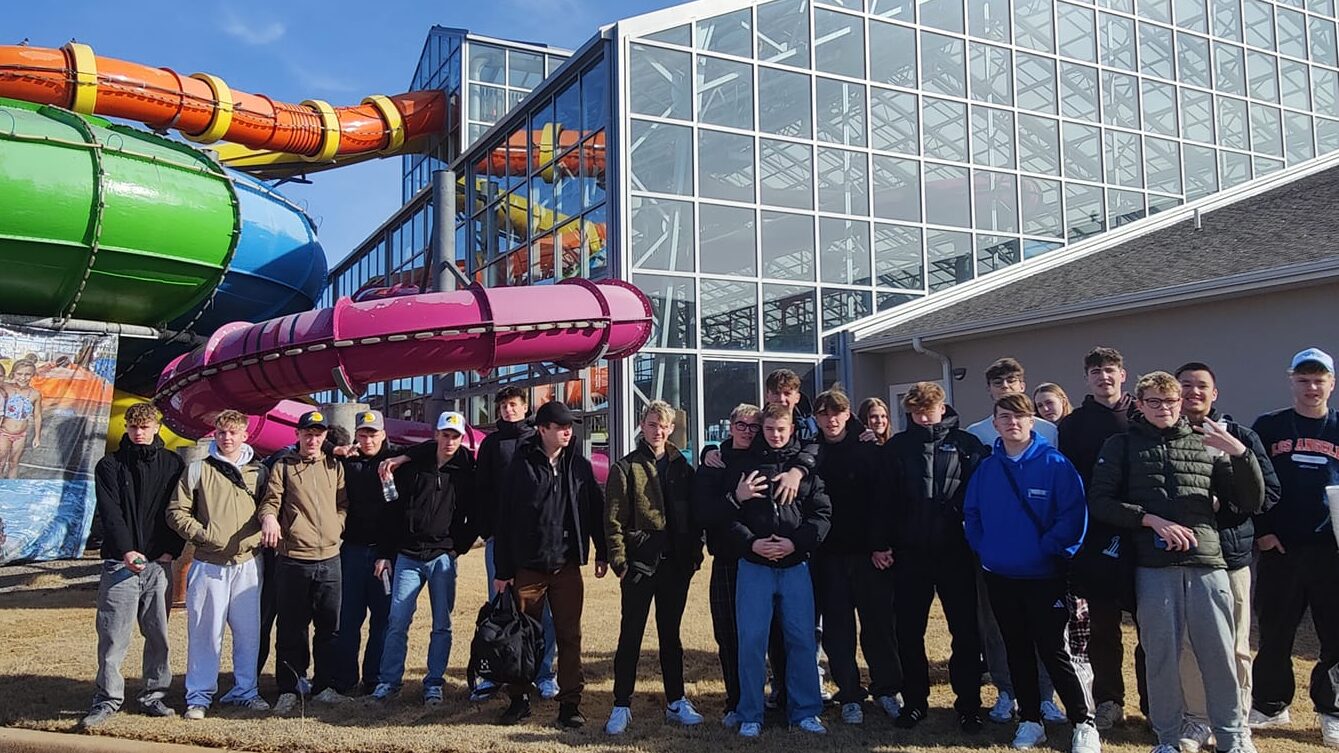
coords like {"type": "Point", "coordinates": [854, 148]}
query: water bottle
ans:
{"type": "Point", "coordinates": [388, 489]}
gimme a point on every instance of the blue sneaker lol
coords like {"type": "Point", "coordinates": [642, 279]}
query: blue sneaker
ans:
{"type": "Point", "coordinates": [432, 695]}
{"type": "Point", "coordinates": [750, 730]}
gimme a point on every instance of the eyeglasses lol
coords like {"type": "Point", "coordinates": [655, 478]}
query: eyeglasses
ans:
{"type": "Point", "coordinates": [1005, 381]}
{"type": "Point", "coordinates": [1012, 418]}
{"type": "Point", "coordinates": [1158, 403]}
{"type": "Point", "coordinates": [743, 426]}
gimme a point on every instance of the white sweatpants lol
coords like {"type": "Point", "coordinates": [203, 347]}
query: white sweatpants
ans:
{"type": "Point", "coordinates": [219, 595]}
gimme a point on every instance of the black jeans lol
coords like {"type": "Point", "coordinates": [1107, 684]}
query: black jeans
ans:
{"type": "Point", "coordinates": [1106, 653]}
{"type": "Point", "coordinates": [847, 585]}
{"type": "Point", "coordinates": [269, 609]}
{"type": "Point", "coordinates": [309, 595]}
{"type": "Point", "coordinates": [1286, 584]}
{"type": "Point", "coordinates": [1032, 615]}
{"type": "Point", "coordinates": [668, 588]}
{"type": "Point", "coordinates": [721, 599]}
{"type": "Point", "coordinates": [917, 577]}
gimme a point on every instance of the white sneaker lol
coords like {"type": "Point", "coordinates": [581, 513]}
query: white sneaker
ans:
{"type": "Point", "coordinates": [890, 705]}
{"type": "Point", "coordinates": [618, 720]}
{"type": "Point", "coordinates": [1329, 729]}
{"type": "Point", "coordinates": [195, 713]}
{"type": "Point", "coordinates": [1194, 736]}
{"type": "Point", "coordinates": [812, 725]}
{"type": "Point", "coordinates": [1259, 720]}
{"type": "Point", "coordinates": [682, 712]}
{"type": "Point", "coordinates": [1029, 735]}
{"type": "Point", "coordinates": [1085, 739]}
{"type": "Point", "coordinates": [730, 720]}
{"type": "Point", "coordinates": [548, 689]}
{"type": "Point", "coordinates": [750, 729]}
{"type": "Point", "coordinates": [286, 703]}
{"type": "Point", "coordinates": [1051, 713]}
{"type": "Point", "coordinates": [1003, 710]}
{"type": "Point", "coordinates": [1108, 715]}
{"type": "Point", "coordinates": [853, 713]}
{"type": "Point", "coordinates": [330, 695]}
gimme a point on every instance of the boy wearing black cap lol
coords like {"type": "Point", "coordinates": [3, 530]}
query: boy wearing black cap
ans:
{"type": "Point", "coordinates": [550, 511]}
{"type": "Point", "coordinates": [302, 517]}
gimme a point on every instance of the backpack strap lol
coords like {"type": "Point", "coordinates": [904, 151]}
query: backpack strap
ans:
{"type": "Point", "coordinates": [193, 473]}
{"type": "Point", "coordinates": [1022, 501]}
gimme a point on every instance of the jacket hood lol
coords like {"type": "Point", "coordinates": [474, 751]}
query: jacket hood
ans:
{"type": "Point", "coordinates": [511, 429]}
{"type": "Point", "coordinates": [938, 431]}
{"type": "Point", "coordinates": [246, 456]}
{"type": "Point", "coordinates": [854, 428]}
{"type": "Point", "coordinates": [1141, 425]}
{"type": "Point", "coordinates": [768, 452]}
{"type": "Point", "coordinates": [1038, 447]}
{"type": "Point", "coordinates": [131, 451]}
{"type": "Point", "coordinates": [1125, 403]}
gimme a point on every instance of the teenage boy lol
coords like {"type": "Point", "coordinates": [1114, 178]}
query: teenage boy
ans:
{"type": "Point", "coordinates": [302, 517]}
{"type": "Point", "coordinates": [214, 508]}
{"type": "Point", "coordinates": [1025, 514]}
{"type": "Point", "coordinates": [775, 542]}
{"type": "Point", "coordinates": [1106, 411]}
{"type": "Point", "coordinates": [423, 532]}
{"type": "Point", "coordinates": [849, 576]}
{"type": "Point", "coordinates": [1006, 377]}
{"type": "Point", "coordinates": [133, 486]}
{"type": "Point", "coordinates": [654, 551]}
{"type": "Point", "coordinates": [1236, 533]}
{"type": "Point", "coordinates": [928, 466]}
{"type": "Point", "coordinates": [1299, 566]}
{"type": "Point", "coordinates": [550, 512]}
{"type": "Point", "coordinates": [1159, 481]}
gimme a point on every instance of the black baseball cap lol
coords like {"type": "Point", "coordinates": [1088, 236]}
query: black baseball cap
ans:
{"type": "Point", "coordinates": [313, 419]}
{"type": "Point", "coordinates": [555, 413]}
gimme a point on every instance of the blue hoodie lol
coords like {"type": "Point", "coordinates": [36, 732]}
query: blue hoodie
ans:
{"type": "Point", "coordinates": [1002, 534]}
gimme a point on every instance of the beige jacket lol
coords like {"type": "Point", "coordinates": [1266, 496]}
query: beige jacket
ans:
{"type": "Point", "coordinates": [218, 516]}
{"type": "Point", "coordinates": [308, 498]}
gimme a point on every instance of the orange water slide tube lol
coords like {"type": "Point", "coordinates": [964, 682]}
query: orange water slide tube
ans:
{"type": "Point", "coordinates": [205, 109]}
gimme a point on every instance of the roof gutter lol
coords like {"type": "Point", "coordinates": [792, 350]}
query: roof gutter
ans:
{"type": "Point", "coordinates": [943, 362]}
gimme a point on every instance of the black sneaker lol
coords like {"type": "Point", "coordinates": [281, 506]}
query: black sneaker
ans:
{"type": "Point", "coordinates": [517, 711]}
{"type": "Point", "coordinates": [97, 716]}
{"type": "Point", "coordinates": [157, 708]}
{"type": "Point", "coordinates": [569, 716]}
{"type": "Point", "coordinates": [908, 718]}
{"type": "Point", "coordinates": [970, 722]}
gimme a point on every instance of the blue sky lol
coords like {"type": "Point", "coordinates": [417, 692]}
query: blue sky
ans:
{"type": "Point", "coordinates": [339, 52]}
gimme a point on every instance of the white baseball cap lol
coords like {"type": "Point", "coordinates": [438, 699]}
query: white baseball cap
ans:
{"type": "Point", "coordinates": [451, 421]}
{"type": "Point", "coordinates": [1313, 355]}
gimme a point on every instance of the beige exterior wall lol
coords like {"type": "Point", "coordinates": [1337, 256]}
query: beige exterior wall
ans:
{"type": "Point", "coordinates": [1247, 340]}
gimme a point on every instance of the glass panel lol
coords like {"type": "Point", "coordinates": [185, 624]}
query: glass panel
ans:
{"type": "Point", "coordinates": [943, 65]}
{"type": "Point", "coordinates": [996, 201]}
{"type": "Point", "coordinates": [729, 315]}
{"type": "Point", "coordinates": [727, 240]}
{"type": "Point", "coordinates": [1235, 168]}
{"type": "Point", "coordinates": [1084, 213]}
{"type": "Point", "coordinates": [1226, 19]}
{"type": "Point", "coordinates": [1160, 108]}
{"type": "Point", "coordinates": [1196, 115]}
{"type": "Point", "coordinates": [1078, 92]}
{"type": "Point", "coordinates": [726, 384]}
{"type": "Point", "coordinates": [487, 103]}
{"type": "Point", "coordinates": [1117, 38]}
{"type": "Point", "coordinates": [1325, 7]}
{"type": "Point", "coordinates": [673, 309]}
{"type": "Point", "coordinates": [893, 121]}
{"type": "Point", "coordinates": [787, 174]}
{"type": "Point", "coordinates": [947, 195]}
{"type": "Point", "coordinates": [488, 64]}
{"type": "Point", "coordinates": [989, 19]}
{"type": "Point", "coordinates": [1258, 21]}
{"type": "Point", "coordinates": [526, 69]}
{"type": "Point", "coordinates": [1263, 72]}
{"type": "Point", "coordinates": [783, 32]}
{"type": "Point", "coordinates": [1232, 131]}
{"type": "Point", "coordinates": [730, 33]}
{"type": "Point", "coordinates": [842, 306]}
{"type": "Point", "coordinates": [1201, 171]}
{"type": "Point", "coordinates": [991, 74]}
{"type": "Point", "coordinates": [1036, 83]}
{"type": "Point", "coordinates": [1292, 33]}
{"type": "Point", "coordinates": [660, 82]}
{"type": "Point", "coordinates": [592, 169]}
{"type": "Point", "coordinates": [1294, 84]}
{"type": "Point", "coordinates": [1041, 207]}
{"type": "Point", "coordinates": [898, 259]}
{"type": "Point", "coordinates": [724, 166]}
{"type": "Point", "coordinates": [672, 378]}
{"type": "Point", "coordinates": [902, 10]}
{"type": "Point", "coordinates": [1193, 55]}
{"type": "Point", "coordinates": [1124, 207]}
{"type": "Point", "coordinates": [1125, 159]}
{"type": "Point", "coordinates": [1265, 166]}
{"type": "Point", "coordinates": [1120, 100]}
{"type": "Point", "coordinates": [680, 35]}
{"type": "Point", "coordinates": [661, 158]}
{"type": "Point", "coordinates": [992, 137]}
{"type": "Point", "coordinates": [1266, 130]}
{"type": "Point", "coordinates": [994, 253]}
{"type": "Point", "coordinates": [1325, 87]}
{"type": "Point", "coordinates": [942, 14]}
{"type": "Point", "coordinates": [1157, 10]}
{"type": "Point", "coordinates": [724, 92]}
{"type": "Point", "coordinates": [787, 246]}
{"type": "Point", "coordinates": [783, 103]}
{"type": "Point", "coordinates": [1078, 33]}
{"type": "Point", "coordinates": [844, 251]}
{"type": "Point", "coordinates": [843, 182]}
{"type": "Point", "coordinates": [1229, 64]}
{"type": "Point", "coordinates": [789, 319]}
{"type": "Point", "coordinates": [892, 54]}
{"type": "Point", "coordinates": [1190, 14]}
{"type": "Point", "coordinates": [662, 234]}
{"type": "Point", "coordinates": [1162, 203]}
{"type": "Point", "coordinates": [949, 255]}
{"type": "Point", "coordinates": [840, 107]}
{"type": "Point", "coordinates": [897, 188]}
{"type": "Point", "coordinates": [887, 301]}
{"type": "Point", "coordinates": [1033, 27]}
{"type": "Point", "coordinates": [839, 43]}
{"type": "Point", "coordinates": [1327, 135]}
{"type": "Point", "coordinates": [595, 96]}
{"type": "Point", "coordinates": [1297, 136]}
{"type": "Point", "coordinates": [945, 131]}
{"type": "Point", "coordinates": [1038, 145]}
{"type": "Point", "coordinates": [1083, 151]}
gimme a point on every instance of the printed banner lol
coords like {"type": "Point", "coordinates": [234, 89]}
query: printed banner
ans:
{"type": "Point", "coordinates": [56, 392]}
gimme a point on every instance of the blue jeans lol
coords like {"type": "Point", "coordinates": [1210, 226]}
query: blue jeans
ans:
{"type": "Point", "coordinates": [439, 575]}
{"type": "Point", "coordinates": [550, 641]}
{"type": "Point", "coordinates": [363, 598]}
{"type": "Point", "coordinates": [757, 589]}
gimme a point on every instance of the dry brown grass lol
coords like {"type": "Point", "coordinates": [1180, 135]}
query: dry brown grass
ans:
{"type": "Point", "coordinates": [48, 658]}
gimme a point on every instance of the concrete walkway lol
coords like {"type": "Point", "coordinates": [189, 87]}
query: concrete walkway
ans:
{"type": "Point", "coordinates": [34, 741]}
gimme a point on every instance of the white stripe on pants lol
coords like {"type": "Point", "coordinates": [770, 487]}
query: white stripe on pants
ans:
{"type": "Point", "coordinates": [219, 595]}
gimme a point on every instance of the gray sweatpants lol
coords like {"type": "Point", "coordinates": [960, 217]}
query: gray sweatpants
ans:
{"type": "Point", "coordinates": [125, 599]}
{"type": "Point", "coordinates": [1194, 602]}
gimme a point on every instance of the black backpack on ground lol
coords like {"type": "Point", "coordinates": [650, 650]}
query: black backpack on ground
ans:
{"type": "Point", "coordinates": [508, 644]}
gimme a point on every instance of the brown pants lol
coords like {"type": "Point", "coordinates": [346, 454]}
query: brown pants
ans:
{"type": "Point", "coordinates": [566, 594]}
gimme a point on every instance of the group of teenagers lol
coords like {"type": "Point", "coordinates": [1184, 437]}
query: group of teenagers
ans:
{"type": "Point", "coordinates": [1038, 527]}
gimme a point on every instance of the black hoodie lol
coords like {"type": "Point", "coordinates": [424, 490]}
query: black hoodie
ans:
{"type": "Point", "coordinates": [547, 517]}
{"type": "Point", "coordinates": [133, 486]}
{"type": "Point", "coordinates": [367, 501]}
{"type": "Point", "coordinates": [1236, 529]}
{"type": "Point", "coordinates": [925, 473]}
{"type": "Point", "coordinates": [849, 471]}
{"type": "Point", "coordinates": [1083, 432]}
{"type": "Point", "coordinates": [713, 508]}
{"type": "Point", "coordinates": [432, 515]}
{"type": "Point", "coordinates": [805, 521]}
{"type": "Point", "coordinates": [492, 458]}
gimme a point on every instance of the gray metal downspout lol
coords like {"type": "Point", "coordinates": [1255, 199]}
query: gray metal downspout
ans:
{"type": "Point", "coordinates": [446, 276]}
{"type": "Point", "coordinates": [944, 361]}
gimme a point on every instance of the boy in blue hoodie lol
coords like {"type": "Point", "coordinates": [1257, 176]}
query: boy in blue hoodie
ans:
{"type": "Point", "coordinates": [1024, 514]}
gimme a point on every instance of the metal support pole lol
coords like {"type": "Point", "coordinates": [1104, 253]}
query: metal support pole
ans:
{"type": "Point", "coordinates": [447, 275]}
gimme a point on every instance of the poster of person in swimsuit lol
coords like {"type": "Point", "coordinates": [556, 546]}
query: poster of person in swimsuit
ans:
{"type": "Point", "coordinates": [55, 397]}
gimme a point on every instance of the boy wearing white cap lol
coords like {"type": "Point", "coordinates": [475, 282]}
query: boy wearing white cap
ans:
{"type": "Point", "coordinates": [424, 530]}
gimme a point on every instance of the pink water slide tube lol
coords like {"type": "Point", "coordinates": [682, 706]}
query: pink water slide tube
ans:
{"type": "Point", "coordinates": [259, 368]}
